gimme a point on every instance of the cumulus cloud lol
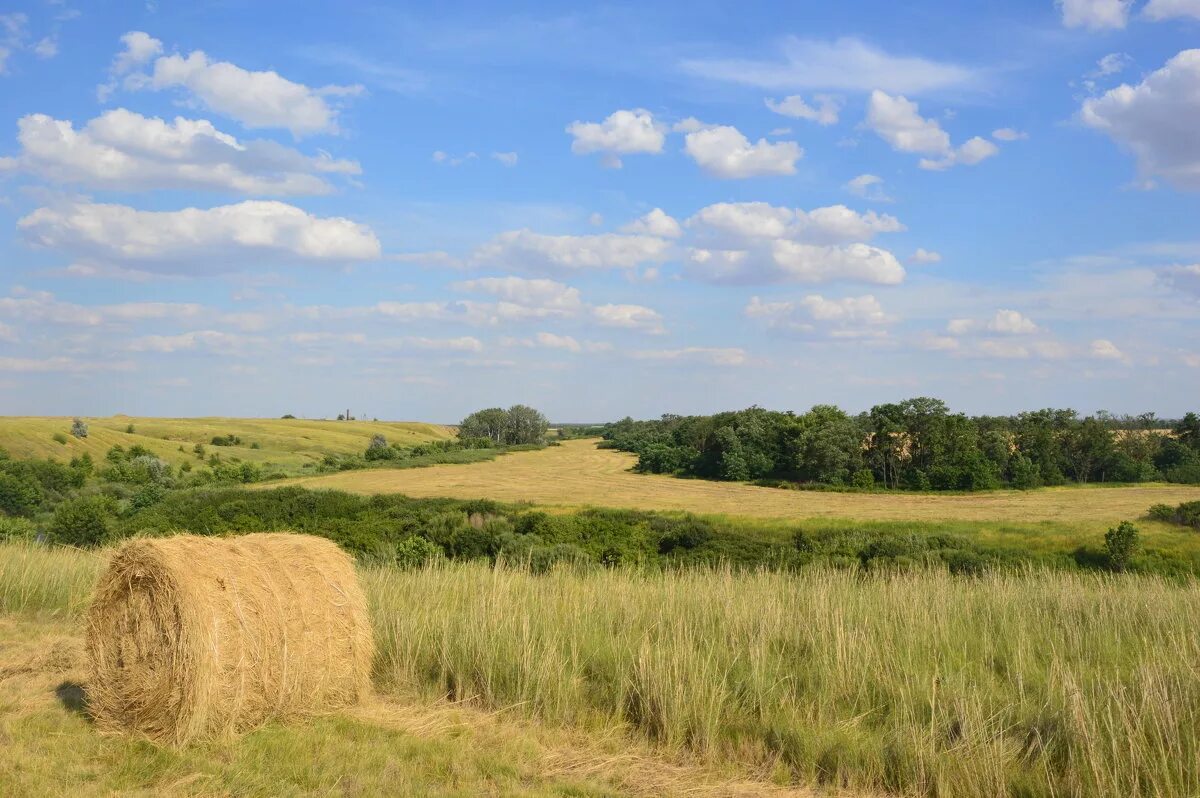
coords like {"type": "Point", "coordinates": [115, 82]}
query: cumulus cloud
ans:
{"type": "Point", "coordinates": [897, 120]}
{"type": "Point", "coordinates": [42, 307]}
{"type": "Point", "coordinates": [506, 158]}
{"type": "Point", "coordinates": [1103, 349]}
{"type": "Point", "coordinates": [790, 261]}
{"type": "Point", "coordinates": [1155, 120]}
{"type": "Point", "coordinates": [1111, 64]}
{"type": "Point", "coordinates": [257, 99]}
{"type": "Point", "coordinates": [1009, 134]}
{"type": "Point", "coordinates": [629, 317]}
{"type": "Point", "coordinates": [824, 112]}
{"type": "Point", "coordinates": [923, 255]}
{"type": "Point", "coordinates": [845, 64]}
{"type": "Point", "coordinates": [440, 156]}
{"type": "Point", "coordinates": [1185, 279]}
{"type": "Point", "coordinates": [849, 317]}
{"type": "Point", "coordinates": [759, 220]}
{"type": "Point", "coordinates": [723, 151]}
{"type": "Point", "coordinates": [197, 238]}
{"type": "Point", "coordinates": [213, 341]}
{"type": "Point", "coordinates": [525, 250]}
{"type": "Point", "coordinates": [548, 296]}
{"type": "Point", "coordinates": [1094, 14]}
{"type": "Point", "coordinates": [125, 151]}
{"type": "Point", "coordinates": [621, 133]}
{"type": "Point", "coordinates": [869, 187]}
{"type": "Point", "coordinates": [1159, 10]}
{"type": "Point", "coordinates": [655, 223]}
{"type": "Point", "coordinates": [1007, 322]}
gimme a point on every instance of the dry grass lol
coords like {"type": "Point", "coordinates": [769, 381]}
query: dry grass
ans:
{"type": "Point", "coordinates": [288, 443]}
{"type": "Point", "coordinates": [578, 474]}
{"type": "Point", "coordinates": [193, 637]}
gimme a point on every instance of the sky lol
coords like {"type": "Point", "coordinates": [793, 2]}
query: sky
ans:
{"type": "Point", "coordinates": [412, 211]}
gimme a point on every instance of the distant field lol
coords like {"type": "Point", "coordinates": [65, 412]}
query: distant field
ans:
{"type": "Point", "coordinates": [578, 474]}
{"type": "Point", "coordinates": [289, 443]}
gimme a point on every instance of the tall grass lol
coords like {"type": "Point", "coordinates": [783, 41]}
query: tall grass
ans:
{"type": "Point", "coordinates": [1037, 684]}
{"type": "Point", "coordinates": [1034, 684]}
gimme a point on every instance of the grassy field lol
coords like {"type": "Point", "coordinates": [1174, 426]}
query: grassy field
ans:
{"type": "Point", "coordinates": [579, 474]}
{"type": "Point", "coordinates": [407, 742]}
{"type": "Point", "coordinates": [287, 443]}
{"type": "Point", "coordinates": [615, 682]}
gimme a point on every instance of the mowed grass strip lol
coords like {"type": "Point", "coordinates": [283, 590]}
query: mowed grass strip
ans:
{"type": "Point", "coordinates": [288, 443]}
{"type": "Point", "coordinates": [579, 474]}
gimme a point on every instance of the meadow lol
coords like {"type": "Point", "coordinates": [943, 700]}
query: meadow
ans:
{"type": "Point", "coordinates": [618, 681]}
{"type": "Point", "coordinates": [578, 474]}
{"type": "Point", "coordinates": [287, 443]}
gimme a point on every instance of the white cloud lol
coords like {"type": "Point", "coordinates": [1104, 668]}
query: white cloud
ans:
{"type": "Point", "coordinates": [1156, 120]}
{"type": "Point", "coordinates": [213, 341]}
{"type": "Point", "coordinates": [846, 64]}
{"type": "Point", "coordinates": [257, 99]}
{"type": "Point", "coordinates": [1159, 10]}
{"type": "Point", "coordinates": [789, 261]}
{"type": "Point", "coordinates": [629, 317]}
{"type": "Point", "coordinates": [898, 121]}
{"type": "Point", "coordinates": [849, 317]}
{"type": "Point", "coordinates": [442, 157]}
{"type": "Point", "coordinates": [825, 113]}
{"type": "Point", "coordinates": [46, 47]}
{"type": "Point", "coordinates": [723, 151]}
{"type": "Point", "coordinates": [553, 298]}
{"type": "Point", "coordinates": [61, 365]}
{"type": "Point", "coordinates": [194, 237]}
{"type": "Point", "coordinates": [125, 151]}
{"type": "Point", "coordinates": [869, 187]}
{"type": "Point", "coordinates": [760, 220]}
{"type": "Point", "coordinates": [506, 158]}
{"type": "Point", "coordinates": [8, 334]}
{"type": "Point", "coordinates": [655, 223]}
{"type": "Point", "coordinates": [923, 255]}
{"type": "Point", "coordinates": [13, 34]}
{"type": "Point", "coordinates": [552, 341]}
{"type": "Point", "coordinates": [1009, 134]}
{"type": "Point", "coordinates": [1183, 278]}
{"type": "Point", "coordinates": [1094, 14]}
{"type": "Point", "coordinates": [1104, 349]}
{"type": "Point", "coordinates": [714, 356]}
{"type": "Point", "coordinates": [1111, 64]}
{"type": "Point", "coordinates": [622, 133]}
{"type": "Point", "coordinates": [1007, 322]}
{"type": "Point", "coordinates": [940, 343]}
{"type": "Point", "coordinates": [525, 250]}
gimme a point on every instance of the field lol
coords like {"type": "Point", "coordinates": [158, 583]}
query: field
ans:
{"type": "Point", "coordinates": [614, 682]}
{"type": "Point", "coordinates": [286, 443]}
{"type": "Point", "coordinates": [579, 474]}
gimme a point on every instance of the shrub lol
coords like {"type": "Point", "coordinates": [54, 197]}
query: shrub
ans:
{"type": "Point", "coordinates": [85, 521]}
{"type": "Point", "coordinates": [20, 493]}
{"type": "Point", "coordinates": [13, 529]}
{"type": "Point", "coordinates": [416, 552]}
{"type": "Point", "coordinates": [129, 429]}
{"type": "Point", "coordinates": [58, 437]}
{"type": "Point", "coordinates": [79, 428]}
{"type": "Point", "coordinates": [1120, 544]}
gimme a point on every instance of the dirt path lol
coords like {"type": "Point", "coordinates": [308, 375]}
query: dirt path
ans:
{"type": "Point", "coordinates": [578, 474]}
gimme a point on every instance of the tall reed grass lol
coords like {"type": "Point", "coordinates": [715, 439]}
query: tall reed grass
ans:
{"type": "Point", "coordinates": [1035, 684]}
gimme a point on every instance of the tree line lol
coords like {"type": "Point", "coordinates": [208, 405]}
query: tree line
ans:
{"type": "Point", "coordinates": [916, 444]}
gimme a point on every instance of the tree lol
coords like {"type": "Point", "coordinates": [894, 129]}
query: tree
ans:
{"type": "Point", "coordinates": [489, 423]}
{"type": "Point", "coordinates": [1187, 431]}
{"type": "Point", "coordinates": [378, 449]}
{"type": "Point", "coordinates": [20, 493]}
{"type": "Point", "coordinates": [1121, 543]}
{"type": "Point", "coordinates": [525, 425]}
{"type": "Point", "coordinates": [79, 428]}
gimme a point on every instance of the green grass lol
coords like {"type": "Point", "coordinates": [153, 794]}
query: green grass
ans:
{"type": "Point", "coordinates": [1033, 684]}
{"type": "Point", "coordinates": [287, 443]}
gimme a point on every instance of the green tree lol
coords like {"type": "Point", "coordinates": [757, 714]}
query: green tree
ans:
{"type": "Point", "coordinates": [1120, 544]}
{"type": "Point", "coordinates": [490, 423]}
{"type": "Point", "coordinates": [84, 521]}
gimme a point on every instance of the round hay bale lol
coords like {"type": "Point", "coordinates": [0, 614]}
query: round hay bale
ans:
{"type": "Point", "coordinates": [191, 637]}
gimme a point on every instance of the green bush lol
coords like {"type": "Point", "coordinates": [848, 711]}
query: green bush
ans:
{"type": "Point", "coordinates": [1120, 544]}
{"type": "Point", "coordinates": [58, 437]}
{"type": "Point", "coordinates": [416, 552]}
{"type": "Point", "coordinates": [84, 521]}
{"type": "Point", "coordinates": [14, 529]}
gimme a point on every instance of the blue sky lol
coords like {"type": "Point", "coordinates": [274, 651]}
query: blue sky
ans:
{"type": "Point", "coordinates": [260, 208]}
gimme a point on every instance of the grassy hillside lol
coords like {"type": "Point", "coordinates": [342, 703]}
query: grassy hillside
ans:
{"type": "Point", "coordinates": [578, 474]}
{"type": "Point", "coordinates": [1035, 684]}
{"type": "Point", "coordinates": [288, 443]}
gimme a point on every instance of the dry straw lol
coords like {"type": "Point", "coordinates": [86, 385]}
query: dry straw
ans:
{"type": "Point", "coordinates": [191, 637]}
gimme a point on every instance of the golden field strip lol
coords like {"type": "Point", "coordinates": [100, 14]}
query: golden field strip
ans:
{"type": "Point", "coordinates": [577, 474]}
{"type": "Point", "coordinates": [288, 443]}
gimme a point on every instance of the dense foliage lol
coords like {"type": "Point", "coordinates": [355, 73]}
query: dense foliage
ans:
{"type": "Point", "coordinates": [917, 444]}
{"type": "Point", "coordinates": [515, 426]}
